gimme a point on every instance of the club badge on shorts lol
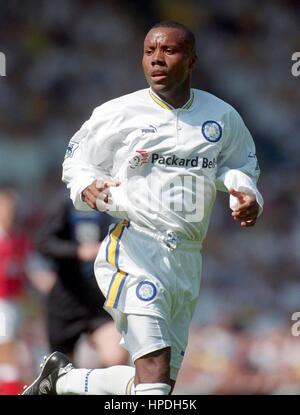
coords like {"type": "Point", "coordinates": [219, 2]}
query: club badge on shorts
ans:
{"type": "Point", "coordinates": [212, 131]}
{"type": "Point", "coordinates": [146, 291]}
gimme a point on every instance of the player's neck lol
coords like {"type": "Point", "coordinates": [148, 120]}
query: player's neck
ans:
{"type": "Point", "coordinates": [177, 98]}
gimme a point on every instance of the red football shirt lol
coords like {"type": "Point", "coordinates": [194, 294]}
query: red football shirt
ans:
{"type": "Point", "coordinates": [14, 249]}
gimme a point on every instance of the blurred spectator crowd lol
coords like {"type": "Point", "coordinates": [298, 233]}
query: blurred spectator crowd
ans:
{"type": "Point", "coordinates": [66, 57]}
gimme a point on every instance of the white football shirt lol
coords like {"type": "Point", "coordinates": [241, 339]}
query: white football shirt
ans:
{"type": "Point", "coordinates": [170, 162]}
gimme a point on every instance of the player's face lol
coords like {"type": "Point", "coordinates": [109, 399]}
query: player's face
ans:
{"type": "Point", "coordinates": [167, 59]}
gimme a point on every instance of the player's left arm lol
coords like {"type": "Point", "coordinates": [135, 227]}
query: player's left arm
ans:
{"type": "Point", "coordinates": [238, 171]}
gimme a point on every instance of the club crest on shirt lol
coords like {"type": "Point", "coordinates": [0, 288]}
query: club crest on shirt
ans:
{"type": "Point", "coordinates": [146, 291]}
{"type": "Point", "coordinates": [212, 131]}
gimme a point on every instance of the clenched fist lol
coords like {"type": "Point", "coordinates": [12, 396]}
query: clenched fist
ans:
{"type": "Point", "coordinates": [97, 194]}
{"type": "Point", "coordinates": [247, 210]}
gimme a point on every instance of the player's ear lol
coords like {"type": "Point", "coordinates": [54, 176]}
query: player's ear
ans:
{"type": "Point", "coordinates": [193, 61]}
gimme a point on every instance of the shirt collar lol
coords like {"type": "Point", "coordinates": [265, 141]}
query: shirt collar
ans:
{"type": "Point", "coordinates": [167, 106]}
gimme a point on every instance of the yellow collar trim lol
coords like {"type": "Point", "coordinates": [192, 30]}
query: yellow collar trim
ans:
{"type": "Point", "coordinates": [189, 103]}
{"type": "Point", "coordinates": [166, 106]}
{"type": "Point", "coordinates": [160, 102]}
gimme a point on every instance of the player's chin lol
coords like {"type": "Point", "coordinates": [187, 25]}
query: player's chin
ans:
{"type": "Point", "coordinates": [159, 85]}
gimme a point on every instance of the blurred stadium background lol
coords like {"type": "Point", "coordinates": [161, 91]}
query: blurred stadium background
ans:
{"type": "Point", "coordinates": [66, 57]}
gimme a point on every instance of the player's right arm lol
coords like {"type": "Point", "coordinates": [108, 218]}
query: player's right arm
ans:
{"type": "Point", "coordinates": [89, 159]}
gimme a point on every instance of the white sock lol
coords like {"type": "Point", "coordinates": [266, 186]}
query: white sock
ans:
{"type": "Point", "coordinates": [110, 381]}
{"type": "Point", "coordinates": [152, 389]}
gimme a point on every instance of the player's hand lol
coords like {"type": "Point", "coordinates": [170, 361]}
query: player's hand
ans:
{"type": "Point", "coordinates": [88, 251]}
{"type": "Point", "coordinates": [248, 208]}
{"type": "Point", "coordinates": [97, 194]}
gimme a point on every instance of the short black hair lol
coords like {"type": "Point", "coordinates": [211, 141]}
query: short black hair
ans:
{"type": "Point", "coordinates": [190, 37]}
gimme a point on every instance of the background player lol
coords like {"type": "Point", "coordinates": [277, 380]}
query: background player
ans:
{"type": "Point", "coordinates": [14, 249]}
{"type": "Point", "coordinates": [71, 240]}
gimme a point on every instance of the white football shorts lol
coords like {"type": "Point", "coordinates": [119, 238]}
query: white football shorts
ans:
{"type": "Point", "coordinates": [152, 275]}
